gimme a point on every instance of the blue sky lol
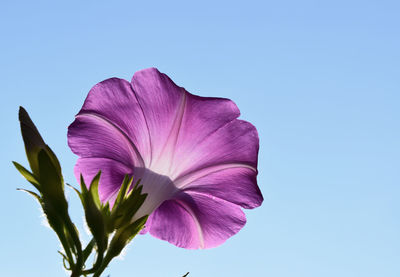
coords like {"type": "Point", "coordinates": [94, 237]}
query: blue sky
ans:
{"type": "Point", "coordinates": [319, 80]}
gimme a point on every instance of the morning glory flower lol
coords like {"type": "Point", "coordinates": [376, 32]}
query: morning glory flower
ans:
{"type": "Point", "coordinates": [196, 160]}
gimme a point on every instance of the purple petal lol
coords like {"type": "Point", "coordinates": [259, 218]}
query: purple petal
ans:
{"type": "Point", "coordinates": [113, 102]}
{"type": "Point", "coordinates": [203, 137]}
{"type": "Point", "coordinates": [163, 105]}
{"type": "Point", "coordinates": [172, 222]}
{"type": "Point", "coordinates": [147, 225]}
{"type": "Point", "coordinates": [233, 145]}
{"type": "Point", "coordinates": [109, 126]}
{"type": "Point", "coordinates": [186, 130]}
{"type": "Point", "coordinates": [224, 165]}
{"type": "Point", "coordinates": [234, 184]}
{"type": "Point", "coordinates": [112, 175]}
{"type": "Point", "coordinates": [92, 136]}
{"type": "Point", "coordinates": [196, 221]}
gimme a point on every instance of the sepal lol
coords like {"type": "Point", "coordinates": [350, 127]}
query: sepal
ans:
{"type": "Point", "coordinates": [94, 217]}
{"type": "Point", "coordinates": [35, 195]}
{"type": "Point", "coordinates": [27, 175]}
{"type": "Point", "coordinates": [127, 204]}
{"type": "Point", "coordinates": [124, 235]}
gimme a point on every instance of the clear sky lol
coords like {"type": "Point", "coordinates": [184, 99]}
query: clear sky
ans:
{"type": "Point", "coordinates": [319, 80]}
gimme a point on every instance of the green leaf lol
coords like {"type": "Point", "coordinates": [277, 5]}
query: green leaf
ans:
{"type": "Point", "coordinates": [88, 250]}
{"type": "Point", "coordinates": [77, 191]}
{"type": "Point", "coordinates": [135, 188]}
{"type": "Point", "coordinates": [52, 187]}
{"type": "Point", "coordinates": [83, 185]}
{"type": "Point", "coordinates": [106, 209]}
{"type": "Point", "coordinates": [57, 224]}
{"type": "Point", "coordinates": [33, 194]}
{"type": "Point", "coordinates": [94, 190]}
{"type": "Point", "coordinates": [55, 162]}
{"type": "Point", "coordinates": [123, 236]}
{"type": "Point", "coordinates": [122, 191]}
{"type": "Point", "coordinates": [93, 215]}
{"type": "Point", "coordinates": [130, 206]}
{"type": "Point", "coordinates": [70, 239]}
{"type": "Point", "coordinates": [126, 205]}
{"type": "Point", "coordinates": [54, 204]}
{"type": "Point", "coordinates": [27, 175]}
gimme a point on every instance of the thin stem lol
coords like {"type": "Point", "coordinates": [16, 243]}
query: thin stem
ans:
{"type": "Point", "coordinates": [65, 245]}
{"type": "Point", "coordinates": [76, 270]}
{"type": "Point", "coordinates": [106, 261]}
{"type": "Point", "coordinates": [88, 249]}
{"type": "Point", "coordinates": [97, 264]}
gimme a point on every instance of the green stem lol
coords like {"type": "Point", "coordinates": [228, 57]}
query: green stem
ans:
{"type": "Point", "coordinates": [85, 254]}
{"type": "Point", "coordinates": [88, 250]}
{"type": "Point", "coordinates": [75, 274]}
{"type": "Point", "coordinates": [103, 266]}
{"type": "Point", "coordinates": [76, 270]}
{"type": "Point", "coordinates": [97, 264]}
{"type": "Point", "coordinates": [66, 247]}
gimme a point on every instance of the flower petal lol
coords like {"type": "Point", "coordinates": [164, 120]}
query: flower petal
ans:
{"type": "Point", "coordinates": [196, 221]}
{"type": "Point", "coordinates": [178, 121]}
{"type": "Point", "coordinates": [235, 145]}
{"type": "Point", "coordinates": [92, 136]}
{"type": "Point", "coordinates": [172, 222]}
{"type": "Point", "coordinates": [203, 117]}
{"type": "Point", "coordinates": [163, 105]}
{"type": "Point", "coordinates": [112, 175]}
{"type": "Point", "coordinates": [237, 185]}
{"type": "Point", "coordinates": [113, 102]}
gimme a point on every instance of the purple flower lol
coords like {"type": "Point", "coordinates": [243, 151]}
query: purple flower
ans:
{"type": "Point", "coordinates": [195, 159]}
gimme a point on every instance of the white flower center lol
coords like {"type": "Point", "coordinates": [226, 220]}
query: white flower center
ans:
{"type": "Point", "coordinates": [158, 188]}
